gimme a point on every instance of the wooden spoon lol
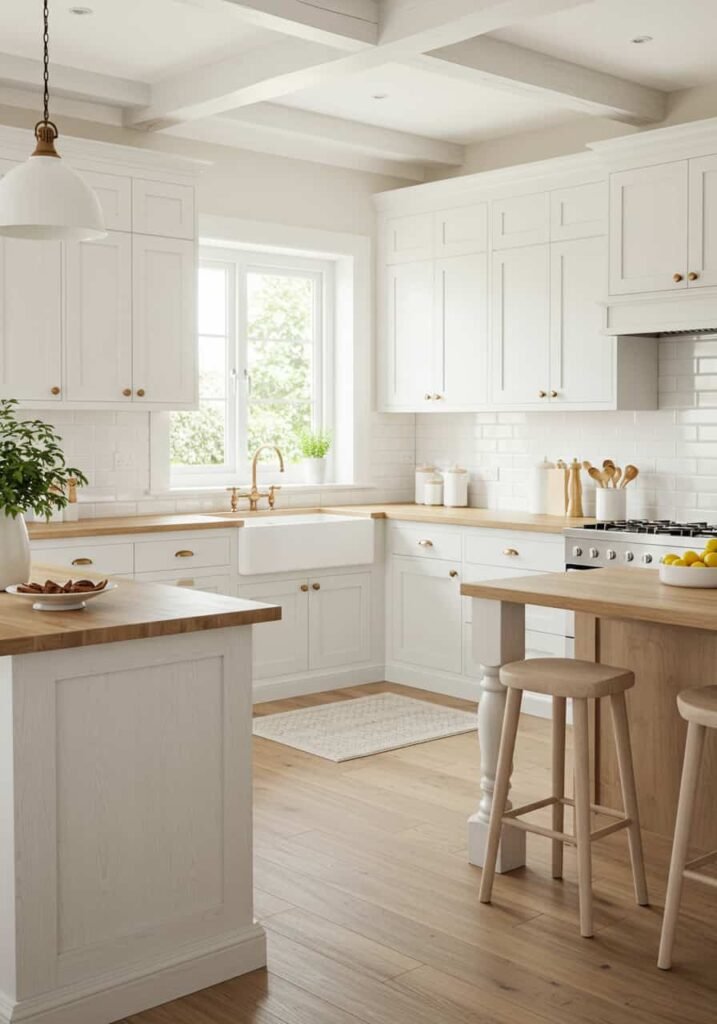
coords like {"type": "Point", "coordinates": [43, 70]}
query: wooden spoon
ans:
{"type": "Point", "coordinates": [616, 476]}
{"type": "Point", "coordinates": [631, 472]}
{"type": "Point", "coordinates": [607, 475]}
{"type": "Point", "coordinates": [596, 475]}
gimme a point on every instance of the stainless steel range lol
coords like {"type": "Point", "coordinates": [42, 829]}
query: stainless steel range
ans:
{"type": "Point", "coordinates": [631, 542]}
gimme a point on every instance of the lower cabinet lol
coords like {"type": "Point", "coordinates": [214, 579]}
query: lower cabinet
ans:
{"type": "Point", "coordinates": [325, 623]}
{"type": "Point", "coordinates": [218, 583]}
{"type": "Point", "coordinates": [426, 609]}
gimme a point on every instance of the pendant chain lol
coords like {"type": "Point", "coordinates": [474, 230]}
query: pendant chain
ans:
{"type": "Point", "coordinates": [46, 60]}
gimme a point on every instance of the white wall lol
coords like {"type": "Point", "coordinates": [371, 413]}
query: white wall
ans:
{"type": "Point", "coordinates": [675, 448]}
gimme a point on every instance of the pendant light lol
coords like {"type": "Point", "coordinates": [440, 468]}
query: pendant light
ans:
{"type": "Point", "coordinates": [44, 198]}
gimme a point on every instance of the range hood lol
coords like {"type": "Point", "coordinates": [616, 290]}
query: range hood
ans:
{"type": "Point", "coordinates": [674, 313]}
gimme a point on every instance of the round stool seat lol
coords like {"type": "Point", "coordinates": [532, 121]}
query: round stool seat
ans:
{"type": "Point", "coordinates": [699, 705]}
{"type": "Point", "coordinates": [566, 677]}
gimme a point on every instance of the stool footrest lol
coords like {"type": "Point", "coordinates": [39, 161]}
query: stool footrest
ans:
{"type": "Point", "coordinates": [699, 862]}
{"type": "Point", "coordinates": [512, 818]}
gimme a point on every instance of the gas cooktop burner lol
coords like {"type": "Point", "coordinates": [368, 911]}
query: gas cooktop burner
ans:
{"type": "Point", "coordinates": [654, 527]}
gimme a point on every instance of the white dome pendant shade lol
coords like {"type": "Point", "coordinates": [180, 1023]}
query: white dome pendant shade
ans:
{"type": "Point", "coordinates": [45, 199]}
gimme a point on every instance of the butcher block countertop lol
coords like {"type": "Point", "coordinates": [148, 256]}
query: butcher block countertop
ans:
{"type": "Point", "coordinates": [485, 518]}
{"type": "Point", "coordinates": [609, 594]}
{"type": "Point", "coordinates": [135, 611]}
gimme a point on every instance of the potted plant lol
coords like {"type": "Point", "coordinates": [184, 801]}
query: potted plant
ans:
{"type": "Point", "coordinates": [33, 475]}
{"type": "Point", "coordinates": [314, 447]}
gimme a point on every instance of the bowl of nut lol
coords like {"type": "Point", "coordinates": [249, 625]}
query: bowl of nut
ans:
{"type": "Point", "coordinates": [60, 597]}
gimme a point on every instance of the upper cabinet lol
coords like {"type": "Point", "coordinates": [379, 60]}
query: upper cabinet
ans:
{"type": "Point", "coordinates": [521, 220]}
{"type": "Point", "coordinates": [108, 323]}
{"type": "Point", "coordinates": [520, 326]}
{"type": "Point", "coordinates": [702, 229]}
{"type": "Point", "coordinates": [463, 231]}
{"type": "Point", "coordinates": [408, 239]}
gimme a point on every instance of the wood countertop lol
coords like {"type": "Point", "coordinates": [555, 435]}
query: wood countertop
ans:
{"type": "Point", "coordinates": [609, 594]}
{"type": "Point", "coordinates": [481, 517]}
{"type": "Point", "coordinates": [135, 611]}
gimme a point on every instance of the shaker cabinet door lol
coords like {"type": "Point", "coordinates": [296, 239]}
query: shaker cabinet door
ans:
{"type": "Point", "coordinates": [426, 610]}
{"type": "Point", "coordinates": [31, 320]}
{"type": "Point", "coordinates": [164, 331]}
{"type": "Point", "coordinates": [462, 331]}
{"type": "Point", "coordinates": [99, 319]}
{"type": "Point", "coordinates": [280, 648]}
{"type": "Point", "coordinates": [410, 378]}
{"type": "Point", "coordinates": [702, 259]}
{"type": "Point", "coordinates": [339, 620]}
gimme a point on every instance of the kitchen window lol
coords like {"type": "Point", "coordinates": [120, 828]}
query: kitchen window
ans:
{"type": "Point", "coordinates": [264, 359]}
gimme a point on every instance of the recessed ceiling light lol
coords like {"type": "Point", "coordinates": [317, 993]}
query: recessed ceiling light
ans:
{"type": "Point", "coordinates": [641, 39]}
{"type": "Point", "coordinates": [380, 96]}
{"type": "Point", "coordinates": [81, 10]}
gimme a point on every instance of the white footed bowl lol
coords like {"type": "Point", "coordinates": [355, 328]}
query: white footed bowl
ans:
{"type": "Point", "coordinates": [686, 576]}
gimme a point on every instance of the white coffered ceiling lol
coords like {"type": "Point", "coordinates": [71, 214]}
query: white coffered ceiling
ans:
{"type": "Point", "coordinates": [301, 77]}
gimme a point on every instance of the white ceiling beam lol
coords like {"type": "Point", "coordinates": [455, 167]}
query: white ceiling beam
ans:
{"type": "Point", "coordinates": [408, 28]}
{"type": "Point", "coordinates": [499, 64]}
{"type": "Point", "coordinates": [25, 73]}
{"type": "Point", "coordinates": [346, 24]}
{"type": "Point", "coordinates": [350, 135]}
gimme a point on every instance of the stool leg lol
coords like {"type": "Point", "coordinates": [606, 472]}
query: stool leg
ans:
{"type": "Point", "coordinates": [623, 747]}
{"type": "Point", "coordinates": [502, 787]}
{"type": "Point", "coordinates": [558, 781]}
{"type": "Point", "coordinates": [685, 808]}
{"type": "Point", "coordinates": [582, 814]}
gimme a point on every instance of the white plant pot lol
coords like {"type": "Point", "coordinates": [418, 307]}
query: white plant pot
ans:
{"type": "Point", "coordinates": [14, 551]}
{"type": "Point", "coordinates": [314, 471]}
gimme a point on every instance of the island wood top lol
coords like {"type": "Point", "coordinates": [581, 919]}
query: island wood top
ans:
{"type": "Point", "coordinates": [135, 611]}
{"type": "Point", "coordinates": [607, 593]}
{"type": "Point", "coordinates": [106, 526]}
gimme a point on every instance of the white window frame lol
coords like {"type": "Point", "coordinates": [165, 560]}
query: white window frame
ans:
{"type": "Point", "coordinates": [236, 467]}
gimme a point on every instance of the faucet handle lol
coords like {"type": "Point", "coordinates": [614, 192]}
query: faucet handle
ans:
{"type": "Point", "coordinates": [234, 504]}
{"type": "Point", "coordinates": [272, 494]}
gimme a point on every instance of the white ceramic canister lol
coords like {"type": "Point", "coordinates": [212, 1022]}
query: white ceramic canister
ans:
{"type": "Point", "coordinates": [610, 503]}
{"type": "Point", "coordinates": [455, 487]}
{"type": "Point", "coordinates": [423, 475]}
{"type": "Point", "coordinates": [433, 490]}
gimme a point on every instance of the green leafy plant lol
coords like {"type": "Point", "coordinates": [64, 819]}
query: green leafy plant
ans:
{"type": "Point", "coordinates": [33, 472]}
{"type": "Point", "coordinates": [314, 445]}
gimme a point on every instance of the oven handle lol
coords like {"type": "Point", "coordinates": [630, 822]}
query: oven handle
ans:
{"type": "Point", "coordinates": [579, 568]}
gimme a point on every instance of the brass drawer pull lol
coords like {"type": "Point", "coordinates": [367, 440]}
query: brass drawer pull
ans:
{"type": "Point", "coordinates": [82, 561]}
{"type": "Point", "coordinates": [127, 392]}
{"type": "Point", "coordinates": [437, 398]}
{"type": "Point", "coordinates": [692, 276]}
{"type": "Point", "coordinates": [427, 397]}
{"type": "Point", "coordinates": [511, 552]}
{"type": "Point", "coordinates": [304, 588]}
{"type": "Point", "coordinates": [677, 278]}
{"type": "Point", "coordinates": [185, 583]}
{"type": "Point", "coordinates": [425, 543]}
{"type": "Point", "coordinates": [316, 586]}
{"type": "Point", "coordinates": [184, 553]}
{"type": "Point", "coordinates": [140, 392]}
{"type": "Point", "coordinates": [542, 394]}
{"type": "Point", "coordinates": [54, 391]}
{"type": "Point", "coordinates": [553, 394]}
{"type": "Point", "coordinates": [453, 573]}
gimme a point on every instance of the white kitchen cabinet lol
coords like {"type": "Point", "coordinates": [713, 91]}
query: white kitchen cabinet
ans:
{"type": "Point", "coordinates": [409, 239]}
{"type": "Point", "coordinates": [426, 613]}
{"type": "Point", "coordinates": [462, 231]}
{"type": "Point", "coordinates": [31, 320]}
{"type": "Point", "coordinates": [98, 287]}
{"type": "Point", "coordinates": [461, 332]}
{"type": "Point", "coordinates": [518, 221]}
{"type": "Point", "coordinates": [339, 620]}
{"type": "Point", "coordinates": [162, 208]}
{"type": "Point", "coordinates": [702, 232]}
{"type": "Point", "coordinates": [409, 336]}
{"type": "Point", "coordinates": [114, 192]}
{"type": "Point", "coordinates": [578, 212]}
{"type": "Point", "coordinates": [520, 331]}
{"type": "Point", "coordinates": [164, 334]}
{"type": "Point", "coordinates": [284, 650]}
{"type": "Point", "coordinates": [217, 583]}
{"type": "Point", "coordinates": [649, 228]}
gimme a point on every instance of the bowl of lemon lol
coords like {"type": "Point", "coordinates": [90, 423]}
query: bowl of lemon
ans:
{"type": "Point", "coordinates": [691, 569]}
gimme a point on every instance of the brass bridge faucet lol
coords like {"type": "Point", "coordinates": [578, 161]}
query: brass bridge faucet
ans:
{"type": "Point", "coordinates": [255, 494]}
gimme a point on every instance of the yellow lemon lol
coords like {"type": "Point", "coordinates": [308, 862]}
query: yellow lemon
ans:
{"type": "Point", "coordinates": [697, 565]}
{"type": "Point", "coordinates": [669, 559]}
{"type": "Point", "coordinates": [689, 557]}
{"type": "Point", "coordinates": [710, 559]}
{"type": "Point", "coordinates": [711, 544]}
{"type": "Point", "coordinates": [679, 561]}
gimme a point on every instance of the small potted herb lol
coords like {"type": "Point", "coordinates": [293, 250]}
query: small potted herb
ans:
{"type": "Point", "coordinates": [314, 447]}
{"type": "Point", "coordinates": [33, 475]}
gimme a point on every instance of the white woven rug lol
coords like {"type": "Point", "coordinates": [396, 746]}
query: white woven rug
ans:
{"type": "Point", "coordinates": [347, 729]}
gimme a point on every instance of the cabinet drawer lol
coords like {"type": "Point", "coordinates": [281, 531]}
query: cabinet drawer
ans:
{"type": "Point", "coordinates": [537, 618]}
{"type": "Point", "coordinates": [109, 558]}
{"type": "Point", "coordinates": [426, 542]}
{"type": "Point", "coordinates": [220, 583]}
{"type": "Point", "coordinates": [182, 555]}
{"type": "Point", "coordinates": [514, 551]}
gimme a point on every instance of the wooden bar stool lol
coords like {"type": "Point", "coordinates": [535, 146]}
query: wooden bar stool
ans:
{"type": "Point", "coordinates": [699, 708]}
{"type": "Point", "coordinates": [581, 681]}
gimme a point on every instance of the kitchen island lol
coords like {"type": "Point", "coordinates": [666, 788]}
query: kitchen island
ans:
{"type": "Point", "coordinates": [125, 802]}
{"type": "Point", "coordinates": [666, 635]}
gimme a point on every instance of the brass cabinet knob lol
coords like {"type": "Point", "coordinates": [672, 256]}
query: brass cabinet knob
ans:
{"type": "Point", "coordinates": [677, 278]}
{"type": "Point", "coordinates": [304, 587]}
{"type": "Point", "coordinates": [184, 553]}
{"type": "Point", "coordinates": [425, 543]}
{"type": "Point", "coordinates": [437, 398]}
{"type": "Point", "coordinates": [185, 583]}
{"type": "Point", "coordinates": [140, 392]}
{"type": "Point", "coordinates": [553, 394]}
{"type": "Point", "coordinates": [511, 552]}
{"type": "Point", "coordinates": [542, 394]}
{"type": "Point", "coordinates": [692, 276]}
{"type": "Point", "coordinates": [127, 392]}
{"type": "Point", "coordinates": [82, 561]}
{"type": "Point", "coordinates": [316, 586]}
{"type": "Point", "coordinates": [54, 391]}
{"type": "Point", "coordinates": [453, 573]}
{"type": "Point", "coordinates": [427, 397]}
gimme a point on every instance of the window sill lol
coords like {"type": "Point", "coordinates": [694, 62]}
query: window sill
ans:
{"type": "Point", "coordinates": [290, 488]}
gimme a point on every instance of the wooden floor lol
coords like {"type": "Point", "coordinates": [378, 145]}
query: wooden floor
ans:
{"type": "Point", "coordinates": [372, 912]}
